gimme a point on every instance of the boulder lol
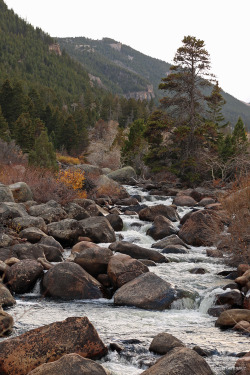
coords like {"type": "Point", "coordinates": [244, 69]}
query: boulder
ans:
{"type": "Point", "coordinates": [50, 211]}
{"type": "Point", "coordinates": [52, 249]}
{"type": "Point", "coordinates": [30, 221]}
{"type": "Point", "coordinates": [6, 298]}
{"type": "Point", "coordinates": [21, 192]}
{"type": "Point", "coordinates": [72, 364]}
{"type": "Point", "coordinates": [6, 324]}
{"type": "Point", "coordinates": [174, 249]}
{"type": "Point", "coordinates": [94, 260]}
{"type": "Point", "coordinates": [184, 200]}
{"type": "Point", "coordinates": [115, 221]}
{"type": "Point", "coordinates": [180, 361]}
{"type": "Point", "coordinates": [26, 250]}
{"type": "Point", "coordinates": [147, 291]}
{"type": "Point", "coordinates": [10, 210]}
{"type": "Point", "coordinates": [169, 241]}
{"type": "Point", "coordinates": [32, 234]}
{"type": "Point", "coordinates": [22, 276]}
{"type": "Point", "coordinates": [98, 229]}
{"type": "Point", "coordinates": [109, 187]}
{"type": "Point", "coordinates": [206, 201]}
{"type": "Point", "coordinates": [201, 228]}
{"type": "Point", "coordinates": [244, 279]}
{"type": "Point", "coordinates": [130, 201]}
{"type": "Point", "coordinates": [5, 240]}
{"type": "Point", "coordinates": [162, 227]}
{"type": "Point", "coordinates": [123, 175]}
{"type": "Point", "coordinates": [164, 342]}
{"type": "Point", "coordinates": [5, 194]}
{"type": "Point", "coordinates": [122, 269]}
{"type": "Point", "coordinates": [137, 252]}
{"type": "Point", "coordinates": [6, 253]}
{"type": "Point", "coordinates": [214, 253]}
{"type": "Point", "coordinates": [20, 355]}
{"type": "Point", "coordinates": [87, 168]}
{"type": "Point", "coordinates": [75, 211]}
{"type": "Point", "coordinates": [217, 310]}
{"type": "Point", "coordinates": [150, 213]}
{"type": "Point", "coordinates": [229, 318]}
{"type": "Point", "coordinates": [65, 231]}
{"type": "Point", "coordinates": [242, 326]}
{"type": "Point", "coordinates": [242, 366]}
{"type": "Point", "coordinates": [242, 268]}
{"type": "Point", "coordinates": [70, 281]}
{"type": "Point", "coordinates": [233, 298]}
{"type": "Point", "coordinates": [82, 245]}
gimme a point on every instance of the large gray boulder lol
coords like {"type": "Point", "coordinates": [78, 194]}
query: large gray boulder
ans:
{"type": "Point", "coordinates": [30, 221]}
{"type": "Point", "coordinates": [123, 175]}
{"type": "Point", "coordinates": [150, 213]}
{"type": "Point", "coordinates": [162, 227]}
{"type": "Point", "coordinates": [32, 234]}
{"type": "Point", "coordinates": [180, 361]}
{"type": "Point", "coordinates": [105, 185]}
{"type": "Point", "coordinates": [75, 211]}
{"type": "Point", "coordinates": [147, 291]}
{"type": "Point", "coordinates": [169, 241]}
{"type": "Point", "coordinates": [5, 194]}
{"type": "Point", "coordinates": [65, 231]}
{"type": "Point", "coordinates": [50, 211]}
{"type": "Point", "coordinates": [137, 252]}
{"type": "Point", "coordinates": [94, 260]}
{"type": "Point", "coordinates": [10, 210]}
{"type": "Point", "coordinates": [70, 281]}
{"type": "Point", "coordinates": [98, 229]}
{"type": "Point", "coordinates": [122, 269]}
{"type": "Point", "coordinates": [21, 192]}
{"type": "Point", "coordinates": [22, 276]}
{"type": "Point", "coordinates": [72, 364]}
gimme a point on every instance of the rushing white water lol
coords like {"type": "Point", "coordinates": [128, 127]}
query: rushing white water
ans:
{"type": "Point", "coordinates": [135, 328]}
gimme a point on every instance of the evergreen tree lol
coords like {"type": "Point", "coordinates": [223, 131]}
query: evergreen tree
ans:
{"type": "Point", "coordinates": [215, 103]}
{"type": "Point", "coordinates": [69, 134]}
{"type": "Point", "coordinates": [24, 132]}
{"type": "Point", "coordinates": [239, 133]}
{"type": "Point", "coordinates": [4, 129]}
{"type": "Point", "coordinates": [43, 155]}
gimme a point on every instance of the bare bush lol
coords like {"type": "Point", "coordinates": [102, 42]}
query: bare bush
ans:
{"type": "Point", "coordinates": [10, 153]}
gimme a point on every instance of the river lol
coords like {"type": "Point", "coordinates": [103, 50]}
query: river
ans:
{"type": "Point", "coordinates": [135, 328]}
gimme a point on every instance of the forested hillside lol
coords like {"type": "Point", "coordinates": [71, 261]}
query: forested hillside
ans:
{"type": "Point", "coordinates": [123, 70]}
{"type": "Point", "coordinates": [43, 89]}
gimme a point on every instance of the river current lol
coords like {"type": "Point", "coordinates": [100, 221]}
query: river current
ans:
{"type": "Point", "coordinates": [134, 328]}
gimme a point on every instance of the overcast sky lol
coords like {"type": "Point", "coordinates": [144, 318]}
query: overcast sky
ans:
{"type": "Point", "coordinates": [156, 28]}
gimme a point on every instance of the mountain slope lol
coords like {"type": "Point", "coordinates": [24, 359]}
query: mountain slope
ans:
{"type": "Point", "coordinates": [123, 70]}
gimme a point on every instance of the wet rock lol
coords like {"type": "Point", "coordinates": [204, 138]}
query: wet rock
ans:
{"type": "Point", "coordinates": [147, 291]}
{"type": "Point", "coordinates": [148, 263]}
{"type": "Point", "coordinates": [242, 268]}
{"type": "Point", "coordinates": [98, 229]}
{"type": "Point", "coordinates": [32, 234]}
{"type": "Point", "coordinates": [169, 241]}
{"type": "Point", "coordinates": [70, 281]}
{"type": "Point", "coordinates": [164, 342]}
{"type": "Point", "coordinates": [94, 260]}
{"type": "Point", "coordinates": [122, 269]}
{"type": "Point", "coordinates": [82, 245]}
{"type": "Point", "coordinates": [231, 285]}
{"type": "Point", "coordinates": [162, 227]}
{"type": "Point", "coordinates": [136, 209]}
{"type": "Point", "coordinates": [198, 271]}
{"type": "Point", "coordinates": [75, 211]}
{"type": "Point", "coordinates": [5, 194]}
{"type": "Point", "coordinates": [46, 264]}
{"type": "Point", "coordinates": [6, 298]}
{"type": "Point", "coordinates": [174, 249]}
{"type": "Point", "coordinates": [115, 221]}
{"type": "Point", "coordinates": [200, 351]}
{"type": "Point", "coordinates": [230, 317]}
{"type": "Point", "coordinates": [214, 253]}
{"type": "Point", "coordinates": [217, 310]}
{"type": "Point", "coordinates": [20, 355]}
{"type": "Point", "coordinates": [244, 279]}
{"type": "Point", "coordinates": [180, 361]}
{"type": "Point", "coordinates": [30, 221]}
{"type": "Point", "coordinates": [27, 250]}
{"type": "Point", "coordinates": [242, 326]}
{"type": "Point", "coordinates": [150, 213]}
{"type": "Point", "coordinates": [232, 298]}
{"type": "Point", "coordinates": [50, 211]}
{"type": "Point", "coordinates": [130, 201]}
{"type": "Point", "coordinates": [137, 252]}
{"type": "Point", "coordinates": [205, 201]}
{"type": "Point", "coordinates": [65, 231]}
{"type": "Point", "coordinates": [183, 200]}
{"type": "Point", "coordinates": [22, 276]}
{"type": "Point", "coordinates": [6, 324]}
{"type": "Point", "coordinates": [72, 364]}
{"type": "Point", "coordinates": [201, 229]}
{"type": "Point", "coordinates": [116, 347]}
{"type": "Point", "coordinates": [104, 280]}
{"type": "Point", "coordinates": [21, 192]}
{"type": "Point", "coordinates": [242, 366]}
{"type": "Point", "coordinates": [52, 249]}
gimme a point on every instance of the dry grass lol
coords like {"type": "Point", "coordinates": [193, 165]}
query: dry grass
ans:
{"type": "Point", "coordinates": [66, 159]}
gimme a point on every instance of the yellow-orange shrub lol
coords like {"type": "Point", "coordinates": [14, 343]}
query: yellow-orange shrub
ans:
{"type": "Point", "coordinates": [73, 179]}
{"type": "Point", "coordinates": [67, 159]}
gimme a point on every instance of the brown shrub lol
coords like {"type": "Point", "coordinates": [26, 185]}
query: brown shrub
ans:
{"type": "Point", "coordinates": [237, 205]}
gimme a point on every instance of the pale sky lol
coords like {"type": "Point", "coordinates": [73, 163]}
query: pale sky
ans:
{"type": "Point", "coordinates": [156, 28]}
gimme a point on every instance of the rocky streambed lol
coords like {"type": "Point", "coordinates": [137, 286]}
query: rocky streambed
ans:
{"type": "Point", "coordinates": [182, 282]}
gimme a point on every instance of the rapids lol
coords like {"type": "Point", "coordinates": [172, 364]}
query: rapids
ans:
{"type": "Point", "coordinates": [135, 328]}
